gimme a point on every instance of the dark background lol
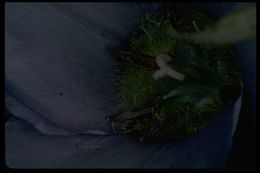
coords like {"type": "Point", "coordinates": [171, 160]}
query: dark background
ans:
{"type": "Point", "coordinates": [243, 153]}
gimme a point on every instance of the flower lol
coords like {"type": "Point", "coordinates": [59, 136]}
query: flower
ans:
{"type": "Point", "coordinates": [165, 70]}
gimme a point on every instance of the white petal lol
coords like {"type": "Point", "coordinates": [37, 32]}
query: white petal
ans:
{"type": "Point", "coordinates": [159, 74]}
{"type": "Point", "coordinates": [172, 93]}
{"type": "Point", "coordinates": [162, 60]}
{"type": "Point", "coordinates": [174, 74]}
{"type": "Point", "coordinates": [203, 102]}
